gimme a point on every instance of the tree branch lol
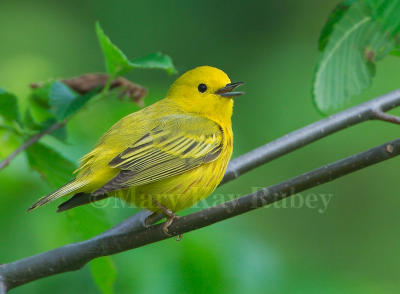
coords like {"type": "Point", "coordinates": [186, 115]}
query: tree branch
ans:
{"type": "Point", "coordinates": [381, 115]}
{"type": "Point", "coordinates": [28, 143]}
{"type": "Point", "coordinates": [120, 238]}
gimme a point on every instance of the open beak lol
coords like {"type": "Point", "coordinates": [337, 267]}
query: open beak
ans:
{"type": "Point", "coordinates": [227, 91]}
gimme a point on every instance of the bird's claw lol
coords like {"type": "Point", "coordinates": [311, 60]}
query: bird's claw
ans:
{"type": "Point", "coordinates": [168, 223]}
{"type": "Point", "coordinates": [171, 216]}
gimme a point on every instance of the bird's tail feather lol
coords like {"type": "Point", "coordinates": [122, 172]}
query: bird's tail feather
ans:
{"type": "Point", "coordinates": [63, 191]}
{"type": "Point", "coordinates": [80, 199]}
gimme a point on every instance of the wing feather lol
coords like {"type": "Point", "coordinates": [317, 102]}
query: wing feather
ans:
{"type": "Point", "coordinates": [177, 144]}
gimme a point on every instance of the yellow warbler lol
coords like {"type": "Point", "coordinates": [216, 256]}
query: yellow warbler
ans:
{"type": "Point", "coordinates": [165, 157]}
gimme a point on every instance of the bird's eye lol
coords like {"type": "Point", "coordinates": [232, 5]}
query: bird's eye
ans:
{"type": "Point", "coordinates": [202, 88]}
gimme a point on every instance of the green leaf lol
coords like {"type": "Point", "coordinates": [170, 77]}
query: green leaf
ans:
{"type": "Point", "coordinates": [59, 134]}
{"type": "Point", "coordinates": [39, 113]}
{"type": "Point", "coordinates": [8, 106]}
{"type": "Point", "coordinates": [155, 61]}
{"type": "Point", "coordinates": [41, 93]}
{"type": "Point", "coordinates": [116, 61]}
{"type": "Point", "coordinates": [79, 102]}
{"type": "Point", "coordinates": [335, 16]}
{"type": "Point", "coordinates": [61, 98]}
{"type": "Point", "coordinates": [104, 274]}
{"type": "Point", "coordinates": [10, 138]}
{"type": "Point", "coordinates": [9, 142]}
{"type": "Point", "coordinates": [118, 64]}
{"type": "Point", "coordinates": [52, 166]}
{"type": "Point", "coordinates": [346, 66]}
{"type": "Point", "coordinates": [29, 122]}
{"type": "Point", "coordinates": [386, 13]}
{"type": "Point", "coordinates": [39, 108]}
{"type": "Point", "coordinates": [64, 102]}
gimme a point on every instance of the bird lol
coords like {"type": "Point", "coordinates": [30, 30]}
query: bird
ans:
{"type": "Point", "coordinates": [165, 157]}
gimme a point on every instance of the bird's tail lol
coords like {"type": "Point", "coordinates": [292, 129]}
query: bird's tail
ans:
{"type": "Point", "coordinates": [63, 191]}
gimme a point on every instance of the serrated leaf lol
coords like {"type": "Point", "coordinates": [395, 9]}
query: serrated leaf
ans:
{"type": "Point", "coordinates": [155, 61]}
{"type": "Point", "coordinates": [52, 166]}
{"type": "Point", "coordinates": [116, 61]}
{"type": "Point", "coordinates": [118, 64]}
{"type": "Point", "coordinates": [8, 106]}
{"type": "Point", "coordinates": [334, 17]}
{"type": "Point", "coordinates": [346, 66]}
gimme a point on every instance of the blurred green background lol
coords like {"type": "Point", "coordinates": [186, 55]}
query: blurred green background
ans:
{"type": "Point", "coordinates": [351, 247]}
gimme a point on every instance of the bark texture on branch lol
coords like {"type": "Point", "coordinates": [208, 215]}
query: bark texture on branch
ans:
{"type": "Point", "coordinates": [130, 235]}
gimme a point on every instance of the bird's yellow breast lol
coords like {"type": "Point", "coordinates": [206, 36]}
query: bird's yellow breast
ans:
{"type": "Point", "coordinates": [182, 191]}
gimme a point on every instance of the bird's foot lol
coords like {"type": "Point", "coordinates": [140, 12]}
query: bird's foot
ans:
{"type": "Point", "coordinates": [171, 216]}
{"type": "Point", "coordinates": [168, 223]}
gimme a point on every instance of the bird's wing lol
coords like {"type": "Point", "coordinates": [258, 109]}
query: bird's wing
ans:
{"type": "Point", "coordinates": [177, 144]}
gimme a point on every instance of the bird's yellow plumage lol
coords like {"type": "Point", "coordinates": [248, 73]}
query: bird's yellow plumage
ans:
{"type": "Point", "coordinates": [166, 156]}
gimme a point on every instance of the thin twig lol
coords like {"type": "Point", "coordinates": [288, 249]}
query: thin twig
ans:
{"type": "Point", "coordinates": [313, 132]}
{"type": "Point", "coordinates": [120, 238]}
{"type": "Point", "coordinates": [379, 114]}
{"type": "Point", "coordinates": [29, 142]}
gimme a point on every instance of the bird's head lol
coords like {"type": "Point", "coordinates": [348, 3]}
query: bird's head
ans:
{"type": "Point", "coordinates": [206, 91]}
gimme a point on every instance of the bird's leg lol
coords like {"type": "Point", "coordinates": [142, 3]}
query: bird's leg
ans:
{"type": "Point", "coordinates": [169, 214]}
{"type": "Point", "coordinates": [167, 224]}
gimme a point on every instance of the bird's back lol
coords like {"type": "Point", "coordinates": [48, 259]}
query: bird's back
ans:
{"type": "Point", "coordinates": [94, 167]}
